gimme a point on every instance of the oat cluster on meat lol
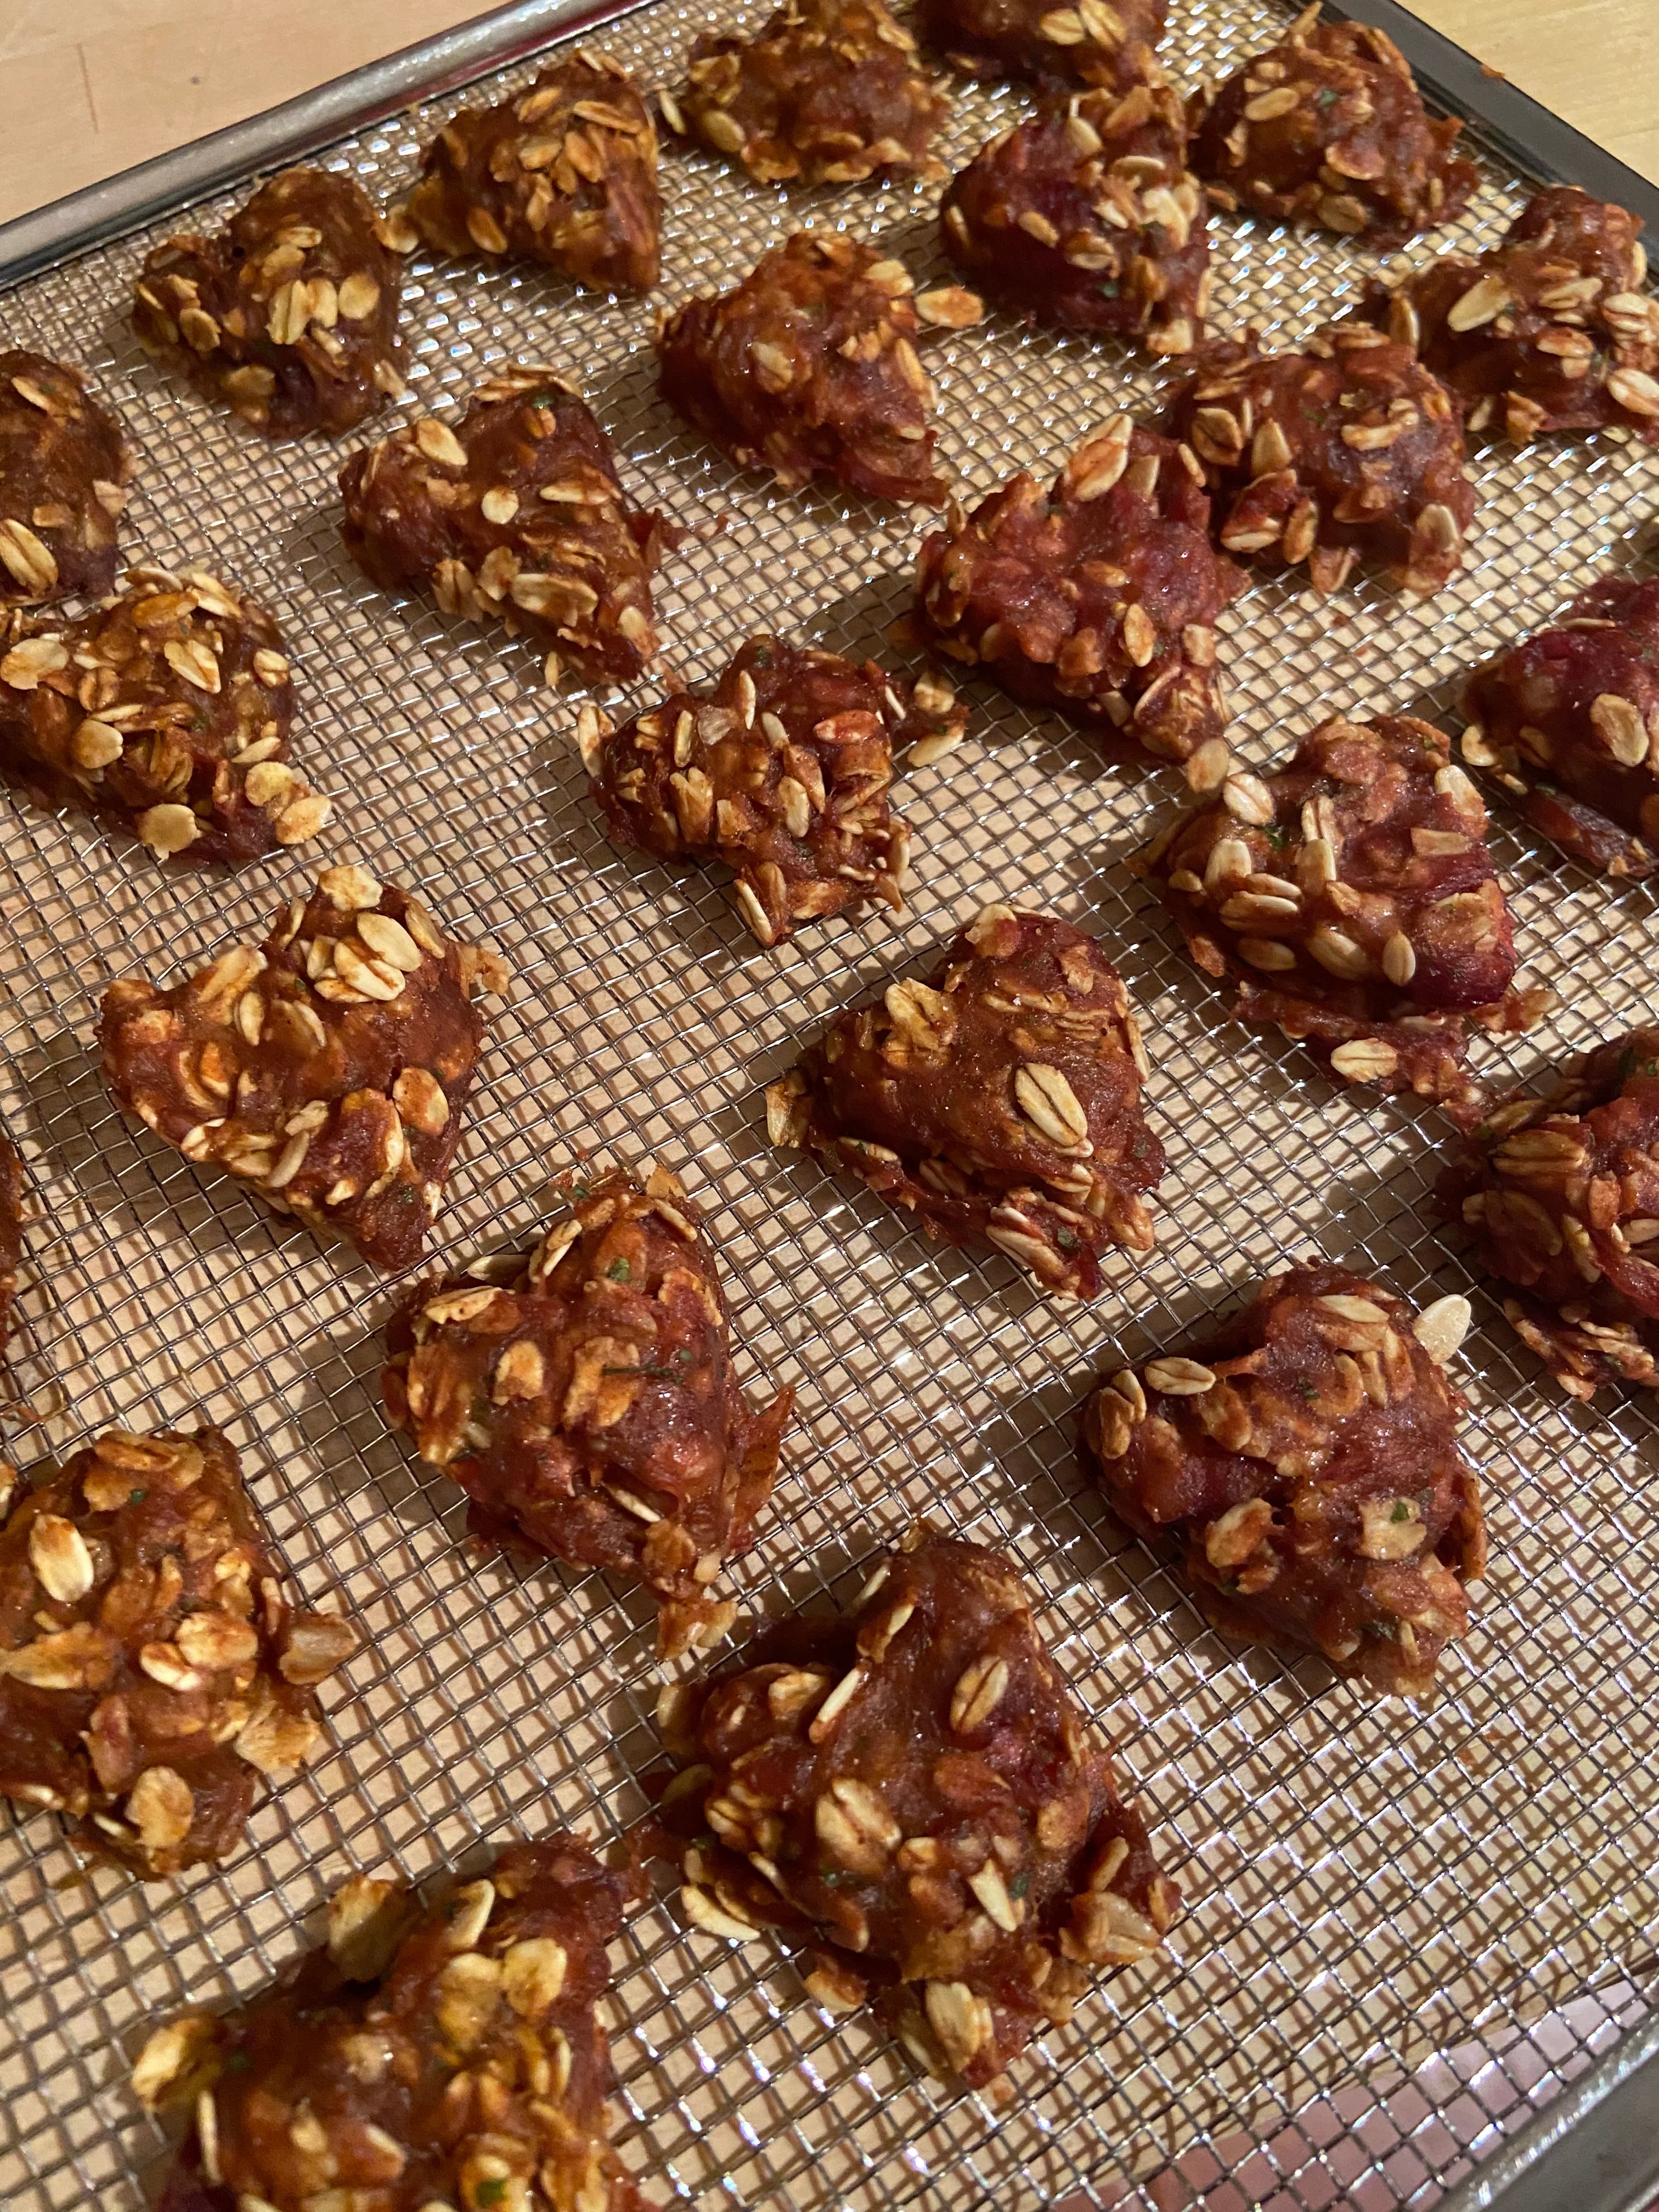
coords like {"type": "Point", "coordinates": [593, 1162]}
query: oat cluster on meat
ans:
{"type": "Point", "coordinates": [781, 771]}
{"type": "Point", "coordinates": [999, 1100]}
{"type": "Point", "coordinates": [515, 513]}
{"type": "Point", "coordinates": [1351, 451]}
{"type": "Point", "coordinates": [151, 1667]}
{"type": "Point", "coordinates": [1561, 1193]}
{"type": "Point", "coordinates": [1569, 721]}
{"type": "Point", "coordinates": [1328, 128]}
{"type": "Point", "coordinates": [1305, 1458]}
{"type": "Point", "coordinates": [1057, 43]}
{"type": "Point", "coordinates": [828, 93]}
{"type": "Point", "coordinates": [432, 2056]}
{"type": "Point", "coordinates": [914, 1790]}
{"type": "Point", "coordinates": [166, 709]}
{"type": "Point", "coordinates": [1549, 330]}
{"type": "Point", "coordinates": [1086, 216]}
{"type": "Point", "coordinates": [563, 173]}
{"type": "Point", "coordinates": [288, 317]}
{"type": "Point", "coordinates": [808, 366]}
{"type": "Point", "coordinates": [587, 1406]}
{"type": "Point", "coordinates": [327, 1068]}
{"type": "Point", "coordinates": [1352, 898]}
{"type": "Point", "coordinates": [65, 468]}
{"type": "Point", "coordinates": [1099, 597]}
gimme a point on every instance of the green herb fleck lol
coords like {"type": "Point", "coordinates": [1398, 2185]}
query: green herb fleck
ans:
{"type": "Point", "coordinates": [489, 2192]}
{"type": "Point", "coordinates": [1385, 1629]}
{"type": "Point", "coordinates": [1278, 834]}
{"type": "Point", "coordinates": [1310, 1391]}
{"type": "Point", "coordinates": [763, 657]}
{"type": "Point", "coordinates": [1401, 1511]}
{"type": "Point", "coordinates": [829, 1876]}
{"type": "Point", "coordinates": [619, 1271]}
{"type": "Point", "coordinates": [136, 1497]}
{"type": "Point", "coordinates": [235, 2062]}
{"type": "Point", "coordinates": [1109, 290]}
{"type": "Point", "coordinates": [1067, 1239]}
{"type": "Point", "coordinates": [1020, 1884]}
{"type": "Point", "coordinates": [1327, 96]}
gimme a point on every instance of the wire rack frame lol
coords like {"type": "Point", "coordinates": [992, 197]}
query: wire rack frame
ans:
{"type": "Point", "coordinates": [1403, 1928]}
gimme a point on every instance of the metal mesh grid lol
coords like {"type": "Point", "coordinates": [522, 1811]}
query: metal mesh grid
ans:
{"type": "Point", "coordinates": [1403, 1930]}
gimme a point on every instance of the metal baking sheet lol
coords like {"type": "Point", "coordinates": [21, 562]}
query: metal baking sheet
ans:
{"type": "Point", "coordinates": [1404, 1929]}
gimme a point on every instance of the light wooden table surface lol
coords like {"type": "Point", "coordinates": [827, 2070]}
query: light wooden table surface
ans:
{"type": "Point", "coordinates": [93, 86]}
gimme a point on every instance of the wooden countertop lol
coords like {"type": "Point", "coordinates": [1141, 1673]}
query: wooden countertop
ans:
{"type": "Point", "coordinates": [93, 86]}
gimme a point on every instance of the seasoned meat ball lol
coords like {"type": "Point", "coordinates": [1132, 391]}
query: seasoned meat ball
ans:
{"type": "Point", "coordinates": [441, 2056]}
{"type": "Point", "coordinates": [1352, 896]}
{"type": "Point", "coordinates": [1327, 128]}
{"type": "Point", "coordinates": [64, 472]}
{"type": "Point", "coordinates": [328, 1068]}
{"type": "Point", "coordinates": [807, 367]}
{"type": "Point", "coordinates": [587, 1404]}
{"type": "Point", "coordinates": [1305, 1457]}
{"type": "Point", "coordinates": [1000, 1099]}
{"type": "Point", "coordinates": [1569, 721]}
{"type": "Point", "coordinates": [1087, 216]}
{"type": "Point", "coordinates": [564, 174]}
{"type": "Point", "coordinates": [515, 514]}
{"type": "Point", "coordinates": [1352, 451]}
{"type": "Point", "coordinates": [781, 771]}
{"type": "Point", "coordinates": [914, 1789]}
{"type": "Point", "coordinates": [829, 92]}
{"type": "Point", "coordinates": [1099, 597]}
{"type": "Point", "coordinates": [1561, 1193]}
{"type": "Point", "coordinates": [168, 710]}
{"type": "Point", "coordinates": [151, 1667]}
{"type": "Point", "coordinates": [288, 316]}
{"type": "Point", "coordinates": [1059, 43]}
{"type": "Point", "coordinates": [1549, 330]}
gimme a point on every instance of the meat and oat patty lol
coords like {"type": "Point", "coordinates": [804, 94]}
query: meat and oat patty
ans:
{"type": "Point", "coordinates": [1327, 128]}
{"type": "Point", "coordinates": [1087, 216]}
{"type": "Point", "coordinates": [288, 316]}
{"type": "Point", "coordinates": [999, 1100]}
{"type": "Point", "coordinates": [327, 1068]}
{"type": "Point", "coordinates": [1099, 597]}
{"type": "Point", "coordinates": [166, 709]}
{"type": "Point", "coordinates": [781, 772]}
{"type": "Point", "coordinates": [513, 514]}
{"type": "Point", "coordinates": [1561, 1193]}
{"type": "Point", "coordinates": [828, 92]}
{"type": "Point", "coordinates": [1353, 899]}
{"type": "Point", "coordinates": [65, 467]}
{"type": "Point", "coordinates": [1549, 330]}
{"type": "Point", "coordinates": [807, 366]}
{"type": "Point", "coordinates": [1568, 721]}
{"type": "Point", "coordinates": [151, 1667]}
{"type": "Point", "coordinates": [587, 1404]}
{"type": "Point", "coordinates": [1352, 451]}
{"type": "Point", "coordinates": [913, 1789]}
{"type": "Point", "coordinates": [426, 2056]}
{"type": "Point", "coordinates": [564, 173]}
{"type": "Point", "coordinates": [1304, 1456]}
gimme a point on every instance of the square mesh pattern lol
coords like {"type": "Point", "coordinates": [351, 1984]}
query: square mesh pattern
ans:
{"type": "Point", "coordinates": [1403, 1929]}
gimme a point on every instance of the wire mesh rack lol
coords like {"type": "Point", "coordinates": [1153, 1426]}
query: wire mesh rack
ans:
{"type": "Point", "coordinates": [1404, 1929]}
